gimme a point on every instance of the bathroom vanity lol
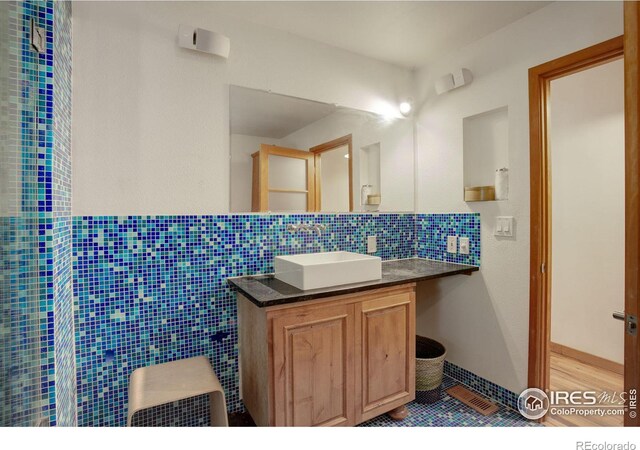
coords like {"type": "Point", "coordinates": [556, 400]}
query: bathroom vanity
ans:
{"type": "Point", "coordinates": [331, 356]}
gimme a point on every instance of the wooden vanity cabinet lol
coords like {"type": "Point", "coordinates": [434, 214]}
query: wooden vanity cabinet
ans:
{"type": "Point", "coordinates": [329, 362]}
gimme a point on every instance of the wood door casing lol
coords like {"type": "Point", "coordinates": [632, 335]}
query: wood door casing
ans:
{"type": "Point", "coordinates": [632, 204]}
{"type": "Point", "coordinates": [313, 367]}
{"type": "Point", "coordinates": [385, 367]}
{"type": "Point", "coordinates": [541, 261]}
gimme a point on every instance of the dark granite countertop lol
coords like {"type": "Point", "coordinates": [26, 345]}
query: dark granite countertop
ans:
{"type": "Point", "coordinates": [265, 290]}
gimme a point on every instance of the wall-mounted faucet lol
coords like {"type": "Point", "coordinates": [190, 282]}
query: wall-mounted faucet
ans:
{"type": "Point", "coordinates": [307, 228]}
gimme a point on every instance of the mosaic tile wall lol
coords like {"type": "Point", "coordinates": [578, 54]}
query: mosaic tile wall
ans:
{"type": "Point", "coordinates": [432, 231]}
{"type": "Point", "coordinates": [26, 385]}
{"type": "Point", "coordinates": [30, 257]}
{"type": "Point", "coordinates": [153, 289]}
{"type": "Point", "coordinates": [189, 412]}
{"type": "Point", "coordinates": [64, 339]}
{"type": "Point", "coordinates": [147, 289]}
{"type": "Point", "coordinates": [9, 198]}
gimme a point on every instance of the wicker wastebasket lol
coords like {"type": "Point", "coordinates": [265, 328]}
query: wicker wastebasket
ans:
{"type": "Point", "coordinates": [430, 356]}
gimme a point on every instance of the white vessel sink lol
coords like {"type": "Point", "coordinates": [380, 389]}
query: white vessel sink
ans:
{"type": "Point", "coordinates": [321, 270]}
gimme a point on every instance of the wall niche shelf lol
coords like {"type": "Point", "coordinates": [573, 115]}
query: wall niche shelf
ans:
{"type": "Point", "coordinates": [479, 194]}
{"type": "Point", "coordinates": [485, 150]}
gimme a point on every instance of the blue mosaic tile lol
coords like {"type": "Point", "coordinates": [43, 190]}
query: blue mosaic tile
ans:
{"type": "Point", "coordinates": [35, 243]}
{"type": "Point", "coordinates": [450, 412]}
{"type": "Point", "coordinates": [483, 386]}
{"type": "Point", "coordinates": [64, 336]}
{"type": "Point", "coordinates": [189, 412]}
{"type": "Point", "coordinates": [152, 289]}
{"type": "Point", "coordinates": [432, 231]}
{"type": "Point", "coordinates": [147, 289]}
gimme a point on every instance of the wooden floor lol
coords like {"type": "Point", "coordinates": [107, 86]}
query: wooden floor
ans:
{"type": "Point", "coordinates": [568, 374]}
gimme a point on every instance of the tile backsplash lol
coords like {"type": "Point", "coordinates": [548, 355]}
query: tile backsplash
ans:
{"type": "Point", "coordinates": [432, 231]}
{"type": "Point", "coordinates": [152, 289]}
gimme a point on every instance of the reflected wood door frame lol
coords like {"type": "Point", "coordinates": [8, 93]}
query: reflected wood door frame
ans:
{"type": "Point", "coordinates": [540, 78]}
{"type": "Point", "coordinates": [260, 194]}
{"type": "Point", "coordinates": [328, 146]}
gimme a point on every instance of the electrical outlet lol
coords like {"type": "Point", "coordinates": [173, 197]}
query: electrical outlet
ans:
{"type": "Point", "coordinates": [452, 244]}
{"type": "Point", "coordinates": [372, 244]}
{"type": "Point", "coordinates": [464, 245]}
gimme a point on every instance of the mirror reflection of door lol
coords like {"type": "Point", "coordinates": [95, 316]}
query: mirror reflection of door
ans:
{"type": "Point", "coordinates": [292, 180]}
{"type": "Point", "coordinates": [283, 180]}
{"type": "Point", "coordinates": [333, 175]}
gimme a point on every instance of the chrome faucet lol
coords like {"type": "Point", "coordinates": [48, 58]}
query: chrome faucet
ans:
{"type": "Point", "coordinates": [307, 228]}
{"type": "Point", "coordinates": [318, 228]}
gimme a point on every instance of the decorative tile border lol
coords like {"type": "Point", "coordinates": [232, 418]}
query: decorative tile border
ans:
{"type": "Point", "coordinates": [432, 231]}
{"type": "Point", "coordinates": [482, 386]}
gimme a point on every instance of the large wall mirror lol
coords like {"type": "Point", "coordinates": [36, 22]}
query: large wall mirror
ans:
{"type": "Point", "coordinates": [295, 155]}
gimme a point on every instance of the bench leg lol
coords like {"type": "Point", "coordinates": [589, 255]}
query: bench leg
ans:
{"type": "Point", "coordinates": [218, 409]}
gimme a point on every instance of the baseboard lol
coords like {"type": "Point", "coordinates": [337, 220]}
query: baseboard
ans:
{"type": "Point", "coordinates": [587, 358]}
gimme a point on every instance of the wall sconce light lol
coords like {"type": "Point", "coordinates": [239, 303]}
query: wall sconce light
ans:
{"type": "Point", "coordinates": [406, 107]}
{"type": "Point", "coordinates": [204, 41]}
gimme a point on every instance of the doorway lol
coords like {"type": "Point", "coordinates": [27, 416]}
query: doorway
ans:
{"type": "Point", "coordinates": [586, 143]}
{"type": "Point", "coordinates": [541, 152]}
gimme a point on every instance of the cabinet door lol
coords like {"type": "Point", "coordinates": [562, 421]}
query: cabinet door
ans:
{"type": "Point", "coordinates": [313, 367]}
{"type": "Point", "coordinates": [385, 365]}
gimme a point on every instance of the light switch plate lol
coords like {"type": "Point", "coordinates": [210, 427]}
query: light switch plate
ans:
{"type": "Point", "coordinates": [504, 226]}
{"type": "Point", "coordinates": [372, 244]}
{"type": "Point", "coordinates": [452, 244]}
{"type": "Point", "coordinates": [464, 245]}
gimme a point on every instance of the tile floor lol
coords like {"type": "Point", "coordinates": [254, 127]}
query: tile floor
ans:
{"type": "Point", "coordinates": [448, 412]}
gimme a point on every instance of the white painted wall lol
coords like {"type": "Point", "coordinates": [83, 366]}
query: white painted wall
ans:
{"type": "Point", "coordinates": [483, 319]}
{"type": "Point", "coordinates": [486, 146]}
{"type": "Point", "coordinates": [151, 120]}
{"type": "Point", "coordinates": [334, 180]}
{"type": "Point", "coordinates": [370, 167]}
{"type": "Point", "coordinates": [395, 137]}
{"type": "Point", "coordinates": [587, 178]}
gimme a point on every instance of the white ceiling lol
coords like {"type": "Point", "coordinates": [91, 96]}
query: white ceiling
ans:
{"type": "Point", "coordinates": [405, 33]}
{"type": "Point", "coordinates": [259, 113]}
